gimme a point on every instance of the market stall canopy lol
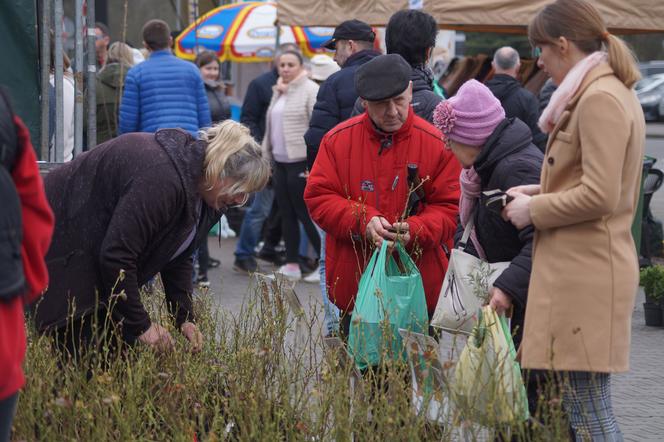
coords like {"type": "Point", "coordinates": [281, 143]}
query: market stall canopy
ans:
{"type": "Point", "coordinates": [508, 16]}
{"type": "Point", "coordinates": [246, 32]}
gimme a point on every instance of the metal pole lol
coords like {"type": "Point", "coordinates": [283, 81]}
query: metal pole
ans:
{"type": "Point", "coordinates": [178, 12]}
{"type": "Point", "coordinates": [45, 71]}
{"type": "Point", "coordinates": [59, 102]}
{"type": "Point", "coordinates": [91, 76]}
{"type": "Point", "coordinates": [78, 77]}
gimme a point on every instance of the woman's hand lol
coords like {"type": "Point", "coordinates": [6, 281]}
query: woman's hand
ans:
{"type": "Point", "coordinates": [528, 189]}
{"type": "Point", "coordinates": [157, 337]}
{"type": "Point", "coordinates": [193, 335]}
{"type": "Point", "coordinates": [518, 211]}
{"type": "Point", "coordinates": [500, 301]}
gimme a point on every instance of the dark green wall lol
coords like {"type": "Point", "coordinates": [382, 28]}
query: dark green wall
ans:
{"type": "Point", "coordinates": [20, 69]}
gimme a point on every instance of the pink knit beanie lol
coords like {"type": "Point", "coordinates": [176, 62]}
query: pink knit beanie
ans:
{"type": "Point", "coordinates": [470, 116]}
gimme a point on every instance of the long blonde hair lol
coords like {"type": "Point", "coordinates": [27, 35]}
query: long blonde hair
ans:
{"type": "Point", "coordinates": [233, 153]}
{"type": "Point", "coordinates": [121, 53]}
{"type": "Point", "coordinates": [580, 22]}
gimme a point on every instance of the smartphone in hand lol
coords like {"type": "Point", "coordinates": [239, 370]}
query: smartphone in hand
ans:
{"type": "Point", "coordinates": [495, 200]}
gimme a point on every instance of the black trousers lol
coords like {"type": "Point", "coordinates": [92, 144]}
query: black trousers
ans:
{"type": "Point", "coordinates": [289, 183]}
{"type": "Point", "coordinates": [95, 332]}
{"type": "Point", "coordinates": [272, 228]}
{"type": "Point", "coordinates": [203, 258]}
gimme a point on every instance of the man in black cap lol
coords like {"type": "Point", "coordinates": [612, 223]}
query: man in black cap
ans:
{"type": "Point", "coordinates": [358, 188]}
{"type": "Point", "coordinates": [412, 34]}
{"type": "Point", "coordinates": [352, 42]}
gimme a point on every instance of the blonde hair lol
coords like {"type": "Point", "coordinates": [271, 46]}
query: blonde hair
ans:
{"type": "Point", "coordinates": [233, 153]}
{"type": "Point", "coordinates": [121, 53]}
{"type": "Point", "coordinates": [580, 22]}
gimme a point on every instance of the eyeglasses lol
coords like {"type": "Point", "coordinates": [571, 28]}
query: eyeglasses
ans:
{"type": "Point", "coordinates": [537, 51]}
{"type": "Point", "coordinates": [245, 198]}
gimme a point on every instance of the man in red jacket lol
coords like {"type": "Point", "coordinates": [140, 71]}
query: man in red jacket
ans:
{"type": "Point", "coordinates": [26, 226]}
{"type": "Point", "coordinates": [358, 188]}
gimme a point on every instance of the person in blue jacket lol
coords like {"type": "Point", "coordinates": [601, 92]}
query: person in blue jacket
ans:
{"type": "Point", "coordinates": [164, 91]}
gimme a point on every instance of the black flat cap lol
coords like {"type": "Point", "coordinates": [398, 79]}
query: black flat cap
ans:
{"type": "Point", "coordinates": [350, 30]}
{"type": "Point", "coordinates": [383, 77]}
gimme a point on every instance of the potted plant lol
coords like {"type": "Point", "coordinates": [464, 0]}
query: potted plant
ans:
{"type": "Point", "coordinates": [652, 280]}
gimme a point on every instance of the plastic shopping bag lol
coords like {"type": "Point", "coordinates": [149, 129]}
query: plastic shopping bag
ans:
{"type": "Point", "coordinates": [465, 289]}
{"type": "Point", "coordinates": [488, 382]}
{"type": "Point", "coordinates": [389, 297]}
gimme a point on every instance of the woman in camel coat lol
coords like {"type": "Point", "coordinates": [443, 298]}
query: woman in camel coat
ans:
{"type": "Point", "coordinates": [585, 269]}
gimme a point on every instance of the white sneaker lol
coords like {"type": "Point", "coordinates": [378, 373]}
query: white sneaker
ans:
{"type": "Point", "coordinates": [313, 277]}
{"type": "Point", "coordinates": [290, 274]}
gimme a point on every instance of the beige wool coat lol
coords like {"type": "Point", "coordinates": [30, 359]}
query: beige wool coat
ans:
{"type": "Point", "coordinates": [585, 269]}
{"type": "Point", "coordinates": [300, 100]}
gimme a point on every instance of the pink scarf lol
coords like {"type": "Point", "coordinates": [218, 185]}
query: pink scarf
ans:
{"type": "Point", "coordinates": [471, 187]}
{"type": "Point", "coordinates": [569, 86]}
{"type": "Point", "coordinates": [283, 87]}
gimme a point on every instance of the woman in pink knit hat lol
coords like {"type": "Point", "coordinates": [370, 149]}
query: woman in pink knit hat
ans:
{"type": "Point", "coordinates": [496, 154]}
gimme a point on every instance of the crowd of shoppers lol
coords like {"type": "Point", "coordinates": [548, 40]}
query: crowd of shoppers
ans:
{"type": "Point", "coordinates": [334, 145]}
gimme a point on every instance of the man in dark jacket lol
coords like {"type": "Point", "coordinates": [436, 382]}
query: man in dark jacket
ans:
{"type": "Point", "coordinates": [517, 101]}
{"type": "Point", "coordinates": [258, 96]}
{"type": "Point", "coordinates": [352, 42]}
{"type": "Point", "coordinates": [256, 101]}
{"type": "Point", "coordinates": [112, 235]}
{"type": "Point", "coordinates": [412, 34]}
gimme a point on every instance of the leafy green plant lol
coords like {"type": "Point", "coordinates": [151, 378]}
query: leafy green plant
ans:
{"type": "Point", "coordinates": [652, 280]}
{"type": "Point", "coordinates": [479, 279]}
{"type": "Point", "coordinates": [264, 374]}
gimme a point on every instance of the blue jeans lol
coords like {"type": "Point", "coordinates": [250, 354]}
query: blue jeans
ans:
{"type": "Point", "coordinates": [304, 242]}
{"type": "Point", "coordinates": [252, 224]}
{"type": "Point", "coordinates": [331, 318]}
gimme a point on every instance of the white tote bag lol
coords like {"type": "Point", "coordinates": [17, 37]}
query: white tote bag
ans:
{"type": "Point", "coordinates": [465, 288]}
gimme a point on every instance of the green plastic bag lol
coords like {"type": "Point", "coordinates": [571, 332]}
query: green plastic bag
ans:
{"type": "Point", "coordinates": [214, 231]}
{"type": "Point", "coordinates": [487, 377]}
{"type": "Point", "coordinates": [388, 298]}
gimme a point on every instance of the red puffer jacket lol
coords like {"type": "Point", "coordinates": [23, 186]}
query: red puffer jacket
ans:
{"type": "Point", "coordinates": [355, 179]}
{"type": "Point", "coordinates": [37, 230]}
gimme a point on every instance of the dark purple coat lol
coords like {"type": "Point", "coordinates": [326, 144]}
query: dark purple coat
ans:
{"type": "Point", "coordinates": [128, 204]}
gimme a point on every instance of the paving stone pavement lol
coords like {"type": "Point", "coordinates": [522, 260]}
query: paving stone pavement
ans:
{"type": "Point", "coordinates": [638, 396]}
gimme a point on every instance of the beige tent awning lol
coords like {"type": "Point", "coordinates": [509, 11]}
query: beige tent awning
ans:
{"type": "Point", "coordinates": [622, 16]}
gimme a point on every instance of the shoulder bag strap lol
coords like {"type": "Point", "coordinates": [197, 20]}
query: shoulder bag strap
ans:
{"type": "Point", "coordinates": [467, 230]}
